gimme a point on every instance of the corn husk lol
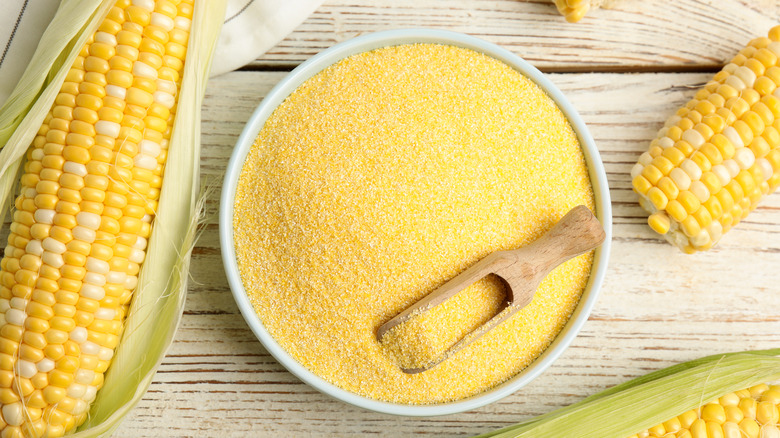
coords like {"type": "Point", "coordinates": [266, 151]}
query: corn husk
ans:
{"type": "Point", "coordinates": [159, 298]}
{"type": "Point", "coordinates": [642, 403]}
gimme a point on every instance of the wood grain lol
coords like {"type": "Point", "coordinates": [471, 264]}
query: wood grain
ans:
{"type": "Point", "coordinates": [635, 35]}
{"type": "Point", "coordinates": [657, 307]}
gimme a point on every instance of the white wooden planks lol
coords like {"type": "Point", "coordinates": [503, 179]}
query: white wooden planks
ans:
{"type": "Point", "coordinates": [634, 35]}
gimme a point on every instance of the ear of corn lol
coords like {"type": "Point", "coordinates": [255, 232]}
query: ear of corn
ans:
{"type": "Point", "coordinates": [88, 195]}
{"type": "Point", "coordinates": [748, 413]}
{"type": "Point", "coordinates": [573, 10]}
{"type": "Point", "coordinates": [719, 155]}
{"type": "Point", "coordinates": [637, 407]}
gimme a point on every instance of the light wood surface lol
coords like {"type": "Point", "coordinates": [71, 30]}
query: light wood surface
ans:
{"type": "Point", "coordinates": [658, 307]}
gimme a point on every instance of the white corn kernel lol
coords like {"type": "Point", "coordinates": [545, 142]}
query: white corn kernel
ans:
{"type": "Point", "coordinates": [637, 170]}
{"type": "Point", "coordinates": [19, 303]}
{"type": "Point", "coordinates": [700, 191]}
{"type": "Point", "coordinates": [91, 291]}
{"type": "Point", "coordinates": [53, 245]}
{"type": "Point", "coordinates": [722, 173]}
{"type": "Point", "coordinates": [149, 147]}
{"type": "Point", "coordinates": [116, 91]}
{"type": "Point", "coordinates": [26, 369]}
{"type": "Point", "coordinates": [109, 129]}
{"type": "Point", "coordinates": [182, 23]}
{"type": "Point", "coordinates": [693, 137]}
{"type": "Point", "coordinates": [131, 282]}
{"type": "Point", "coordinates": [84, 234]}
{"type": "Point", "coordinates": [140, 243]}
{"type": "Point", "coordinates": [45, 365]}
{"type": "Point", "coordinates": [90, 348]}
{"type": "Point", "coordinates": [52, 259]}
{"type": "Point", "coordinates": [144, 70]}
{"type": "Point", "coordinates": [146, 4]}
{"type": "Point", "coordinates": [34, 247]}
{"type": "Point", "coordinates": [145, 161]}
{"type": "Point", "coordinates": [136, 256]}
{"type": "Point", "coordinates": [105, 38]}
{"type": "Point", "coordinates": [80, 406]}
{"type": "Point", "coordinates": [665, 142]}
{"type": "Point", "coordinates": [88, 220]}
{"type": "Point", "coordinates": [83, 376]}
{"type": "Point", "coordinates": [97, 265]}
{"type": "Point", "coordinates": [15, 317]}
{"type": "Point", "coordinates": [746, 75]}
{"type": "Point", "coordinates": [105, 313]}
{"type": "Point", "coordinates": [732, 167]}
{"type": "Point", "coordinates": [165, 99]}
{"type": "Point", "coordinates": [76, 390]}
{"type": "Point", "coordinates": [735, 82]}
{"type": "Point", "coordinates": [78, 335]}
{"type": "Point", "coordinates": [91, 392]}
{"type": "Point", "coordinates": [106, 353]}
{"type": "Point", "coordinates": [680, 178]}
{"type": "Point", "coordinates": [745, 158]}
{"type": "Point", "coordinates": [13, 414]}
{"type": "Point", "coordinates": [733, 137]}
{"type": "Point", "coordinates": [116, 277]}
{"type": "Point", "coordinates": [95, 278]}
{"type": "Point", "coordinates": [691, 168]}
{"type": "Point", "coordinates": [766, 168]}
{"type": "Point", "coordinates": [163, 21]}
{"type": "Point", "coordinates": [75, 168]}
{"type": "Point", "coordinates": [166, 86]}
{"type": "Point", "coordinates": [44, 216]}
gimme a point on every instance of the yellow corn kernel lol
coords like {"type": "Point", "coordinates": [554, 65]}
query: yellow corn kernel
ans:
{"type": "Point", "coordinates": [659, 222]}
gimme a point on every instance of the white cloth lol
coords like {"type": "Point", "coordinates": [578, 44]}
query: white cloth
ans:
{"type": "Point", "coordinates": [22, 23]}
{"type": "Point", "coordinates": [251, 28]}
{"type": "Point", "coordinates": [254, 26]}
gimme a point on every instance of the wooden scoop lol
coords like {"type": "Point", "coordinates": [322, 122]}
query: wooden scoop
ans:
{"type": "Point", "coordinates": [521, 269]}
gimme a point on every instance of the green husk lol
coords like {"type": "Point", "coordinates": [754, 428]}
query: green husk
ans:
{"type": "Point", "coordinates": [158, 301]}
{"type": "Point", "coordinates": [643, 402]}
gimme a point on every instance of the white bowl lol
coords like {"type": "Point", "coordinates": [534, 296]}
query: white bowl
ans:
{"type": "Point", "coordinates": [366, 43]}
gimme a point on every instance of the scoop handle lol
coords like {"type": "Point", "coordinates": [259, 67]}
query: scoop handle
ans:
{"type": "Point", "coordinates": [576, 233]}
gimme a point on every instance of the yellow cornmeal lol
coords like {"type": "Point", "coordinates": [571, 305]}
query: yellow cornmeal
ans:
{"type": "Point", "coordinates": [420, 340]}
{"type": "Point", "coordinates": [382, 177]}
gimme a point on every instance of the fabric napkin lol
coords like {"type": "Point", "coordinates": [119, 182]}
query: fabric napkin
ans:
{"type": "Point", "coordinates": [251, 28]}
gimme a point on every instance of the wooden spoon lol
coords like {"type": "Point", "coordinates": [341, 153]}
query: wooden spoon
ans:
{"type": "Point", "coordinates": [521, 269]}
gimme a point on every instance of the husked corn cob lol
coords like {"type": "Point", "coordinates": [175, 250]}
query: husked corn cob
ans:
{"type": "Point", "coordinates": [88, 195]}
{"type": "Point", "coordinates": [749, 413]}
{"type": "Point", "coordinates": [715, 159]}
{"type": "Point", "coordinates": [573, 10]}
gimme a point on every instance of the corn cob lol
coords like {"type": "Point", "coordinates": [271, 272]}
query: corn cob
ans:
{"type": "Point", "coordinates": [716, 158]}
{"type": "Point", "coordinates": [573, 10]}
{"type": "Point", "coordinates": [88, 196]}
{"type": "Point", "coordinates": [748, 413]}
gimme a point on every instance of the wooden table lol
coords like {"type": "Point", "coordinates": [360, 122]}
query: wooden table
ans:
{"type": "Point", "coordinates": [625, 69]}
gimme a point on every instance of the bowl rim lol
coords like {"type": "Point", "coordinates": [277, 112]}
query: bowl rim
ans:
{"type": "Point", "coordinates": [369, 42]}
